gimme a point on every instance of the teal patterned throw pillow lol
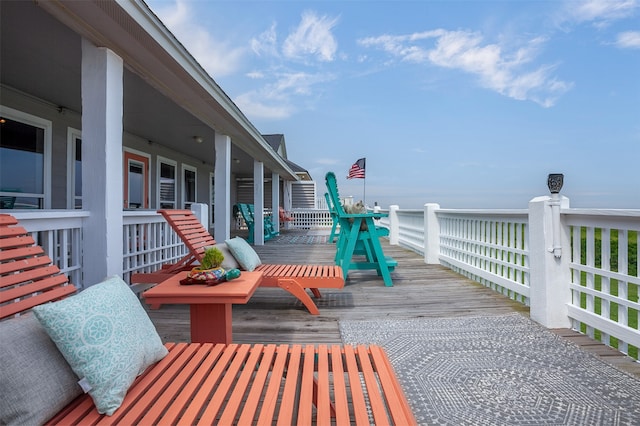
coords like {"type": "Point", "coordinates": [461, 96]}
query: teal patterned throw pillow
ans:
{"type": "Point", "coordinates": [106, 337]}
{"type": "Point", "coordinates": [244, 253]}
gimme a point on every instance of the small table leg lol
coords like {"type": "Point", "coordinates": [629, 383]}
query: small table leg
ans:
{"type": "Point", "coordinates": [211, 323]}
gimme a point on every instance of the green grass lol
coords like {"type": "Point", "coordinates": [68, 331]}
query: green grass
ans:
{"type": "Point", "coordinates": [614, 285]}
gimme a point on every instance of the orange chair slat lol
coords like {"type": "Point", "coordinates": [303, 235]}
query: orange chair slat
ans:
{"type": "Point", "coordinates": [24, 264]}
{"type": "Point", "coordinates": [148, 397]}
{"type": "Point", "coordinates": [249, 410]}
{"type": "Point", "coordinates": [399, 407]}
{"type": "Point", "coordinates": [357, 396]}
{"type": "Point", "coordinates": [376, 401]}
{"type": "Point", "coordinates": [306, 393]}
{"type": "Point", "coordinates": [242, 385]}
{"type": "Point", "coordinates": [42, 285]}
{"type": "Point", "coordinates": [323, 397]}
{"type": "Point", "coordinates": [29, 302]}
{"type": "Point", "coordinates": [225, 386]}
{"type": "Point", "coordinates": [201, 398]}
{"type": "Point", "coordinates": [183, 398]}
{"type": "Point", "coordinates": [22, 241]}
{"type": "Point", "coordinates": [7, 232]}
{"type": "Point", "coordinates": [27, 276]}
{"type": "Point", "coordinates": [291, 389]}
{"type": "Point", "coordinates": [271, 396]}
{"type": "Point", "coordinates": [7, 219]}
{"type": "Point", "coordinates": [341, 406]}
{"type": "Point", "coordinates": [20, 253]}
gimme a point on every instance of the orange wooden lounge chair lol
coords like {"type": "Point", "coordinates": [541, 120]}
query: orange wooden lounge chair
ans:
{"type": "Point", "coordinates": [293, 278]}
{"type": "Point", "coordinates": [195, 383]}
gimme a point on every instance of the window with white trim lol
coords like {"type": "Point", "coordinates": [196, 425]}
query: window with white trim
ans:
{"type": "Point", "coordinates": [189, 185]}
{"type": "Point", "coordinates": [74, 167]}
{"type": "Point", "coordinates": [167, 183]}
{"type": "Point", "coordinates": [25, 160]}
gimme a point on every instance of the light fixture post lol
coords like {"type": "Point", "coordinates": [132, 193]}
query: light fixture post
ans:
{"type": "Point", "coordinates": [555, 182]}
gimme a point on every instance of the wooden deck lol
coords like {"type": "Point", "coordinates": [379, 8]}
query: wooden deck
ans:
{"type": "Point", "coordinates": [420, 290]}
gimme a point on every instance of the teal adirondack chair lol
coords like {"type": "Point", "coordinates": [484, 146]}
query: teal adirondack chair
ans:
{"type": "Point", "coordinates": [334, 218]}
{"type": "Point", "coordinates": [247, 212]}
{"type": "Point", "coordinates": [358, 242]}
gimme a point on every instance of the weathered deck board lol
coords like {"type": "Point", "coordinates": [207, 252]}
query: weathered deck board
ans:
{"type": "Point", "coordinates": [420, 290]}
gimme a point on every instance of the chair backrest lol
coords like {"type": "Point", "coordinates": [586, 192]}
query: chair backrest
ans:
{"type": "Point", "coordinates": [247, 213]}
{"type": "Point", "coordinates": [190, 230]}
{"type": "Point", "coordinates": [27, 276]}
{"type": "Point", "coordinates": [334, 196]}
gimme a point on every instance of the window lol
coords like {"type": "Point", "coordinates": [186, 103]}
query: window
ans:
{"type": "Point", "coordinates": [25, 152]}
{"type": "Point", "coordinates": [136, 181]}
{"type": "Point", "coordinates": [74, 166]}
{"type": "Point", "coordinates": [166, 183]}
{"type": "Point", "coordinates": [188, 185]}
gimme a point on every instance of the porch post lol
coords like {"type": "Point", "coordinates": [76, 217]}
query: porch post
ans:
{"type": "Point", "coordinates": [394, 225]}
{"type": "Point", "coordinates": [431, 234]}
{"type": "Point", "coordinates": [549, 280]}
{"type": "Point", "coordinates": [102, 167]}
{"type": "Point", "coordinates": [275, 201]}
{"type": "Point", "coordinates": [222, 182]}
{"type": "Point", "coordinates": [258, 202]}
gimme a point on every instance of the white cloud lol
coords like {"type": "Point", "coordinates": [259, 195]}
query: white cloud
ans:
{"type": "Point", "coordinates": [266, 42]}
{"type": "Point", "coordinates": [313, 37]}
{"type": "Point", "coordinates": [496, 68]}
{"type": "Point", "coordinates": [629, 40]}
{"type": "Point", "coordinates": [217, 57]}
{"type": "Point", "coordinates": [276, 100]}
{"type": "Point", "coordinates": [601, 12]}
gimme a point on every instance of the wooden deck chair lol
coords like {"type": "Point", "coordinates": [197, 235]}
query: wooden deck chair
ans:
{"type": "Point", "coordinates": [357, 240]}
{"type": "Point", "coordinates": [293, 278]}
{"type": "Point", "coordinates": [334, 218]}
{"type": "Point", "coordinates": [195, 383]}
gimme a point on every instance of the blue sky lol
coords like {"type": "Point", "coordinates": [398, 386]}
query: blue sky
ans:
{"type": "Point", "coordinates": [469, 104]}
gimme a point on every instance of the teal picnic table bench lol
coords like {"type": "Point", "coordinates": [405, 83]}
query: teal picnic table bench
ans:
{"type": "Point", "coordinates": [359, 237]}
{"type": "Point", "coordinates": [248, 215]}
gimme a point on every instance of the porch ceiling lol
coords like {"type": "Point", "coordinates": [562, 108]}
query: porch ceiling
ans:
{"type": "Point", "coordinates": [168, 98]}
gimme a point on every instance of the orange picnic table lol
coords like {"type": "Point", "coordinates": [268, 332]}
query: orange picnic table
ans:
{"type": "Point", "coordinates": [210, 307]}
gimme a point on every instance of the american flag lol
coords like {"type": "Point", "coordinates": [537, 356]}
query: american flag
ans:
{"type": "Point", "coordinates": [357, 170]}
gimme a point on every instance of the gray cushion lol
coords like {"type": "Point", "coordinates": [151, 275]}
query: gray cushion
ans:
{"type": "Point", "coordinates": [229, 262]}
{"type": "Point", "coordinates": [35, 380]}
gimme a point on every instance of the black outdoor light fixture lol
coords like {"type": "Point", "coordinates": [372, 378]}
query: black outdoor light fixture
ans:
{"type": "Point", "coordinates": [554, 182]}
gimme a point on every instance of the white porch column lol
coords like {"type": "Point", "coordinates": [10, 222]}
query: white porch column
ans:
{"type": "Point", "coordinates": [394, 225]}
{"type": "Point", "coordinates": [550, 275]}
{"type": "Point", "coordinates": [102, 168]}
{"type": "Point", "coordinates": [275, 200]}
{"type": "Point", "coordinates": [431, 234]}
{"type": "Point", "coordinates": [222, 182]}
{"type": "Point", "coordinates": [258, 202]}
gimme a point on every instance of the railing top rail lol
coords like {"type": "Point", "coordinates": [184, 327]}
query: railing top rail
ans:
{"type": "Point", "coordinates": [621, 213]}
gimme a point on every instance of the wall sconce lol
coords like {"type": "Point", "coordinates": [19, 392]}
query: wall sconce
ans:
{"type": "Point", "coordinates": [198, 139]}
{"type": "Point", "coordinates": [554, 182]}
{"type": "Point", "coordinates": [235, 160]}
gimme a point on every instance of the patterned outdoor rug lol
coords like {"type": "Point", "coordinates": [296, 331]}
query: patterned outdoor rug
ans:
{"type": "Point", "coordinates": [500, 370]}
{"type": "Point", "coordinates": [299, 238]}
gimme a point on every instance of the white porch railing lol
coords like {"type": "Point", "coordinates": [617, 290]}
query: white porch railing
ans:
{"type": "Point", "coordinates": [148, 243]}
{"type": "Point", "coordinates": [59, 232]}
{"type": "Point", "coordinates": [592, 286]}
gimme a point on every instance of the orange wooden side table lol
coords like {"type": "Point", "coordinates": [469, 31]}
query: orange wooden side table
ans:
{"type": "Point", "coordinates": [210, 307]}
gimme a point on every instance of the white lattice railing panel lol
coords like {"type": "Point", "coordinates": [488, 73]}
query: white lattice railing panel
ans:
{"type": "Point", "coordinates": [490, 249]}
{"type": "Point", "coordinates": [148, 243]}
{"type": "Point", "coordinates": [604, 279]}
